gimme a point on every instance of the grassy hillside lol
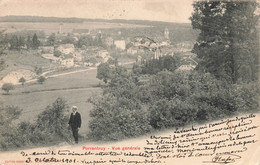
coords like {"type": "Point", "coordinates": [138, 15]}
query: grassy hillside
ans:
{"type": "Point", "coordinates": [74, 88]}
{"type": "Point", "coordinates": [15, 60]}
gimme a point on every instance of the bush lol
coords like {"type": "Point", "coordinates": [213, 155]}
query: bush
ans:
{"type": "Point", "coordinates": [22, 80]}
{"type": "Point", "coordinates": [154, 66]}
{"type": "Point", "coordinates": [57, 53]}
{"type": "Point", "coordinates": [7, 87]}
{"type": "Point", "coordinates": [117, 118]}
{"type": "Point", "coordinates": [52, 122]}
{"type": "Point", "coordinates": [172, 113]}
{"type": "Point", "coordinates": [38, 70]}
{"type": "Point", "coordinates": [8, 131]}
{"type": "Point", "coordinates": [104, 72]}
{"type": "Point", "coordinates": [181, 98]}
{"type": "Point", "coordinates": [41, 79]}
{"type": "Point", "coordinates": [129, 108]}
{"type": "Point", "coordinates": [50, 127]}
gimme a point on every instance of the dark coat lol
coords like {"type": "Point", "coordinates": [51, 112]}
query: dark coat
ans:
{"type": "Point", "coordinates": [75, 120]}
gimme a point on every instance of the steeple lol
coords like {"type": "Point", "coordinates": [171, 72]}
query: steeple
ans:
{"type": "Point", "coordinates": [166, 33]}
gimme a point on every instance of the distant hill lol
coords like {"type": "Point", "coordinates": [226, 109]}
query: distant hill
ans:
{"type": "Point", "coordinates": [178, 31]}
{"type": "Point", "coordinates": [39, 19]}
{"type": "Point", "coordinates": [13, 18]}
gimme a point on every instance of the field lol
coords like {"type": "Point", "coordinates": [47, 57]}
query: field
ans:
{"type": "Point", "coordinates": [51, 27]}
{"type": "Point", "coordinates": [75, 88]}
{"type": "Point", "coordinates": [15, 60]}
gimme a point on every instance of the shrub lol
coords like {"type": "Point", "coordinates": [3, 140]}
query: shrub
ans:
{"type": "Point", "coordinates": [181, 98]}
{"type": "Point", "coordinates": [7, 115]}
{"type": "Point", "coordinates": [104, 72]}
{"type": "Point", "coordinates": [57, 53]}
{"type": "Point", "coordinates": [41, 79]}
{"type": "Point", "coordinates": [7, 87]}
{"type": "Point", "coordinates": [53, 121]}
{"type": "Point", "coordinates": [38, 70]}
{"type": "Point", "coordinates": [117, 118]}
{"type": "Point", "coordinates": [22, 80]}
{"type": "Point", "coordinates": [172, 113]}
{"type": "Point", "coordinates": [50, 127]}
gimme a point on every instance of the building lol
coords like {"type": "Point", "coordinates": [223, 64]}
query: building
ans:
{"type": "Point", "coordinates": [50, 57]}
{"type": "Point", "coordinates": [103, 53]}
{"type": "Point", "coordinates": [157, 53]}
{"type": "Point", "coordinates": [109, 41]}
{"type": "Point", "coordinates": [120, 44]}
{"type": "Point", "coordinates": [135, 50]}
{"type": "Point", "coordinates": [132, 50]}
{"type": "Point", "coordinates": [78, 56]}
{"type": "Point", "coordinates": [67, 61]}
{"type": "Point", "coordinates": [47, 49]}
{"type": "Point", "coordinates": [166, 33]}
{"type": "Point", "coordinates": [139, 59]}
{"type": "Point", "coordinates": [186, 67]}
{"type": "Point", "coordinates": [187, 64]}
{"type": "Point", "coordinates": [66, 48]}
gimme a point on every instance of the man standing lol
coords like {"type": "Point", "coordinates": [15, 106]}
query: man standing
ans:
{"type": "Point", "coordinates": [75, 122]}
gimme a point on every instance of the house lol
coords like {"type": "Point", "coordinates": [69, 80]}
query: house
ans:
{"type": "Point", "coordinates": [165, 43]}
{"type": "Point", "coordinates": [47, 49]}
{"type": "Point", "coordinates": [187, 64]}
{"type": "Point", "coordinates": [50, 57]}
{"type": "Point", "coordinates": [66, 48]}
{"type": "Point", "coordinates": [67, 61]}
{"type": "Point", "coordinates": [186, 67]}
{"type": "Point", "coordinates": [120, 44]}
{"type": "Point", "coordinates": [139, 59]}
{"type": "Point", "coordinates": [157, 53]}
{"type": "Point", "coordinates": [109, 41]}
{"type": "Point", "coordinates": [132, 50]}
{"type": "Point", "coordinates": [78, 56]}
{"type": "Point", "coordinates": [135, 50]}
{"type": "Point", "coordinates": [104, 55]}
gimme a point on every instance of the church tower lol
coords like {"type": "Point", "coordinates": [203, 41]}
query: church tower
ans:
{"type": "Point", "coordinates": [166, 33]}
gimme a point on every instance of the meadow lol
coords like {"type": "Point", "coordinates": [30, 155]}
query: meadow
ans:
{"type": "Point", "coordinates": [23, 59]}
{"type": "Point", "coordinates": [75, 88]}
{"type": "Point", "coordinates": [53, 27]}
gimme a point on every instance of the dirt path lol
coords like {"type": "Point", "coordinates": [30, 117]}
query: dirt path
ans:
{"type": "Point", "coordinates": [72, 72]}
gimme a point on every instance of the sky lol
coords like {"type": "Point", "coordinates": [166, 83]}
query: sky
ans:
{"type": "Point", "coordinates": [155, 10]}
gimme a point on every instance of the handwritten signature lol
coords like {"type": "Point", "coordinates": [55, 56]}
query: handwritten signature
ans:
{"type": "Point", "coordinates": [224, 159]}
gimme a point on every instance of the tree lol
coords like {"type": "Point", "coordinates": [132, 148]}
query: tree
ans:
{"type": "Point", "coordinates": [41, 79]}
{"type": "Point", "coordinates": [14, 42]}
{"type": "Point", "coordinates": [35, 42]}
{"type": "Point", "coordinates": [2, 64]}
{"type": "Point", "coordinates": [7, 87]}
{"type": "Point", "coordinates": [85, 40]}
{"type": "Point", "coordinates": [228, 38]}
{"type": "Point", "coordinates": [21, 42]}
{"type": "Point", "coordinates": [68, 39]}
{"type": "Point", "coordinates": [22, 80]}
{"type": "Point", "coordinates": [8, 115]}
{"type": "Point", "coordinates": [53, 120]}
{"type": "Point", "coordinates": [29, 42]}
{"type": "Point", "coordinates": [57, 53]}
{"type": "Point", "coordinates": [154, 66]}
{"type": "Point", "coordinates": [51, 39]}
{"type": "Point", "coordinates": [3, 42]}
{"type": "Point", "coordinates": [38, 70]}
{"type": "Point", "coordinates": [104, 72]}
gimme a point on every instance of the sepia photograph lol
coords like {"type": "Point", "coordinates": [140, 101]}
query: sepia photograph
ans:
{"type": "Point", "coordinates": [129, 82]}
